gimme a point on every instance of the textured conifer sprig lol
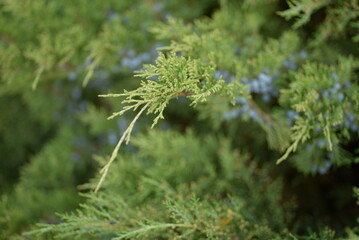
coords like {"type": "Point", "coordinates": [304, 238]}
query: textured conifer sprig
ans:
{"type": "Point", "coordinates": [324, 97]}
{"type": "Point", "coordinates": [171, 76]}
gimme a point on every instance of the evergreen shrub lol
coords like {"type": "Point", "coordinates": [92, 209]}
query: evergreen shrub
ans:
{"type": "Point", "coordinates": [177, 119]}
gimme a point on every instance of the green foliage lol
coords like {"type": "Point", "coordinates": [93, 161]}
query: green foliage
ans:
{"type": "Point", "coordinates": [175, 76]}
{"type": "Point", "coordinates": [302, 10]}
{"type": "Point", "coordinates": [229, 88]}
{"type": "Point", "coordinates": [144, 197]}
{"type": "Point", "coordinates": [341, 17]}
{"type": "Point", "coordinates": [310, 93]}
{"type": "Point", "coordinates": [55, 191]}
